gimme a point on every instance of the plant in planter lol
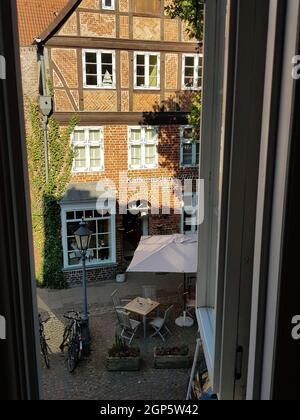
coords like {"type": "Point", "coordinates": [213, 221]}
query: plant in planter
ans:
{"type": "Point", "coordinates": [172, 357]}
{"type": "Point", "coordinates": [121, 357]}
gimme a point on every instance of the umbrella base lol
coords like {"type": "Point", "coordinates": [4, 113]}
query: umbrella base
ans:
{"type": "Point", "coordinates": [184, 321]}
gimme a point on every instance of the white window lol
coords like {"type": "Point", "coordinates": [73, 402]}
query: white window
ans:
{"type": "Point", "coordinates": [189, 147]}
{"type": "Point", "coordinates": [143, 147]}
{"type": "Point", "coordinates": [189, 219]}
{"type": "Point", "coordinates": [192, 68]}
{"type": "Point", "coordinates": [146, 70]}
{"type": "Point", "coordinates": [99, 69]}
{"type": "Point", "coordinates": [88, 149]}
{"type": "Point", "coordinates": [108, 4]}
{"type": "Point", "coordinates": [102, 245]}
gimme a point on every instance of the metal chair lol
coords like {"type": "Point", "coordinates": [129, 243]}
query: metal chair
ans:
{"type": "Point", "coordinates": [150, 292]}
{"type": "Point", "coordinates": [160, 325]}
{"type": "Point", "coordinates": [129, 326]}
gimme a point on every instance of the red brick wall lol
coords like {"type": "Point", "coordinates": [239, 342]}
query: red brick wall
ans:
{"type": "Point", "coordinates": [116, 160]}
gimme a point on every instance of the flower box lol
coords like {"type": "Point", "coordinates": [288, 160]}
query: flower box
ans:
{"type": "Point", "coordinates": [123, 364]}
{"type": "Point", "coordinates": [172, 358]}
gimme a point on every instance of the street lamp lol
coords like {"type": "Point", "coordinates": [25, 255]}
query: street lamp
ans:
{"type": "Point", "coordinates": [83, 239]}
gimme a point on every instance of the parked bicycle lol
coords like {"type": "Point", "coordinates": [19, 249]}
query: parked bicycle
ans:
{"type": "Point", "coordinates": [73, 340]}
{"type": "Point", "coordinates": [45, 349]}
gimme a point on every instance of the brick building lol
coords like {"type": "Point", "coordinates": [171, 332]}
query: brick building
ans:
{"type": "Point", "coordinates": [130, 74]}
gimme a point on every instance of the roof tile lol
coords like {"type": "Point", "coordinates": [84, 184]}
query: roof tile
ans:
{"type": "Point", "coordinates": [34, 16]}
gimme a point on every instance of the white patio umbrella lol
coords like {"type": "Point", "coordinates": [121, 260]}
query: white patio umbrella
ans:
{"type": "Point", "coordinates": [167, 254]}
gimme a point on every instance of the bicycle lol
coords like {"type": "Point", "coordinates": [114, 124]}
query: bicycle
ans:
{"type": "Point", "coordinates": [45, 349]}
{"type": "Point", "coordinates": [72, 339]}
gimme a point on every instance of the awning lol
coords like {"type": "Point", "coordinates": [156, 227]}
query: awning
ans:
{"type": "Point", "coordinates": [83, 192]}
{"type": "Point", "coordinates": [166, 254]}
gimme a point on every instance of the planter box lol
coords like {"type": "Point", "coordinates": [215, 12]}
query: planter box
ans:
{"type": "Point", "coordinates": [172, 362]}
{"type": "Point", "coordinates": [123, 364]}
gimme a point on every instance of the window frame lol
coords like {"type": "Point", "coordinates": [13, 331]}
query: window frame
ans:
{"type": "Point", "coordinates": [147, 55]}
{"type": "Point", "coordinates": [143, 143]}
{"type": "Point", "coordinates": [87, 145]}
{"type": "Point", "coordinates": [183, 141]}
{"type": "Point", "coordinates": [112, 7]}
{"type": "Point", "coordinates": [226, 238]}
{"type": "Point", "coordinates": [195, 200]}
{"type": "Point", "coordinates": [196, 75]}
{"type": "Point", "coordinates": [86, 207]}
{"type": "Point", "coordinates": [99, 69]}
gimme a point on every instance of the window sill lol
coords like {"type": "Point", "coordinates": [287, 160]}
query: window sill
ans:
{"type": "Point", "coordinates": [99, 87]}
{"type": "Point", "coordinates": [144, 169]}
{"type": "Point", "coordinates": [205, 318]}
{"type": "Point", "coordinates": [96, 171]}
{"type": "Point", "coordinates": [89, 267]}
{"type": "Point", "coordinates": [186, 89]}
{"type": "Point", "coordinates": [147, 89]}
{"type": "Point", "coordinates": [188, 166]}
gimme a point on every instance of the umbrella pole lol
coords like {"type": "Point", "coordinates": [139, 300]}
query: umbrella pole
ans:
{"type": "Point", "coordinates": [184, 294]}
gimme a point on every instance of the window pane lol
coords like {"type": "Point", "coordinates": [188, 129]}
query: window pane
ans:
{"type": "Point", "coordinates": [79, 136]}
{"type": "Point", "coordinates": [140, 81]}
{"type": "Point", "coordinates": [94, 135]}
{"type": "Point", "coordinates": [80, 158]}
{"type": "Point", "coordinates": [188, 133]}
{"type": "Point", "coordinates": [189, 72]}
{"type": "Point", "coordinates": [189, 61]}
{"type": "Point", "coordinates": [150, 154]}
{"type": "Point", "coordinates": [95, 155]}
{"type": "Point", "coordinates": [153, 71]}
{"type": "Point", "coordinates": [153, 59]}
{"type": "Point", "coordinates": [71, 228]}
{"type": "Point", "coordinates": [92, 226]}
{"type": "Point", "coordinates": [70, 215]}
{"type": "Point", "coordinates": [91, 80]}
{"type": "Point", "coordinates": [197, 153]}
{"type": "Point", "coordinates": [187, 154]}
{"type": "Point", "coordinates": [106, 58]}
{"type": "Point", "coordinates": [89, 214]}
{"type": "Point", "coordinates": [107, 76]}
{"type": "Point", "coordinates": [136, 135]}
{"type": "Point", "coordinates": [73, 258]}
{"type": "Point", "coordinates": [140, 71]}
{"type": "Point", "coordinates": [72, 245]}
{"type": "Point", "coordinates": [136, 155]}
{"type": "Point", "coordinates": [90, 57]}
{"type": "Point", "coordinates": [79, 216]}
{"type": "Point", "coordinates": [189, 82]}
{"type": "Point", "coordinates": [150, 134]}
{"type": "Point", "coordinates": [93, 243]}
{"type": "Point", "coordinates": [103, 226]}
{"type": "Point", "coordinates": [104, 241]}
{"type": "Point", "coordinates": [140, 59]}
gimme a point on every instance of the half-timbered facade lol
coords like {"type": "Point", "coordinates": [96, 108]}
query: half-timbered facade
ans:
{"type": "Point", "coordinates": [130, 74]}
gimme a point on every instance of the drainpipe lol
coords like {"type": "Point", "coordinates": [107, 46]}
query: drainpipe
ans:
{"type": "Point", "coordinates": [45, 102]}
{"type": "Point", "coordinates": [41, 59]}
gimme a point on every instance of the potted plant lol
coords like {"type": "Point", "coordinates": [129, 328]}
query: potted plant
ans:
{"type": "Point", "coordinates": [172, 357]}
{"type": "Point", "coordinates": [123, 358]}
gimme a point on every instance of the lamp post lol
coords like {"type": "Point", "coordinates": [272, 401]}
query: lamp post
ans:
{"type": "Point", "coordinates": [83, 238]}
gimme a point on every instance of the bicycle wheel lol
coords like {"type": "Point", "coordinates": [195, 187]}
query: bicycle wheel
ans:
{"type": "Point", "coordinates": [45, 353]}
{"type": "Point", "coordinates": [67, 338]}
{"type": "Point", "coordinates": [73, 355]}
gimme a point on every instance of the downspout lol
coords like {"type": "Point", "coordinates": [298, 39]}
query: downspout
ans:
{"type": "Point", "coordinates": [41, 59]}
{"type": "Point", "coordinates": [44, 92]}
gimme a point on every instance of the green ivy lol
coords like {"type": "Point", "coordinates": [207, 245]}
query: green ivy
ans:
{"type": "Point", "coordinates": [45, 196]}
{"type": "Point", "coordinates": [191, 12]}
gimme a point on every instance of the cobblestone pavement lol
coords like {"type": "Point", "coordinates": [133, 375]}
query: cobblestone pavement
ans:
{"type": "Point", "coordinates": [91, 381]}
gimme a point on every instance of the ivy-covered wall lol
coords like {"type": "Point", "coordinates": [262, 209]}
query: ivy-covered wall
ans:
{"type": "Point", "coordinates": [45, 195]}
